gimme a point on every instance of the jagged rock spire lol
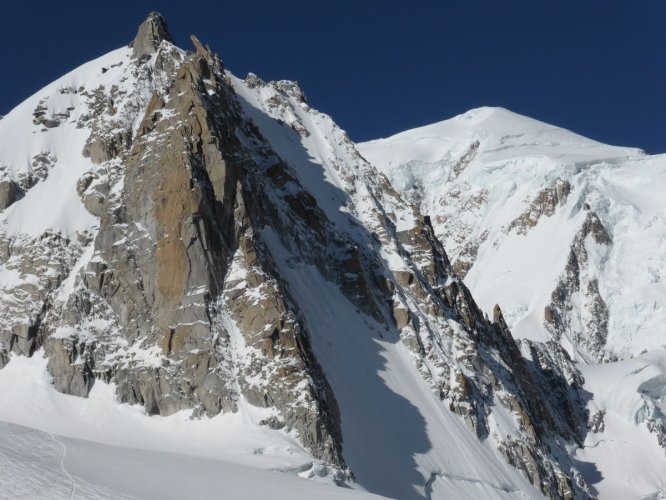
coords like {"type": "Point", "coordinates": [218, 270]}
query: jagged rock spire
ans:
{"type": "Point", "coordinates": [151, 33]}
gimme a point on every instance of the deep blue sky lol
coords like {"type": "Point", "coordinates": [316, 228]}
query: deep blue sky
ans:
{"type": "Point", "coordinates": [379, 67]}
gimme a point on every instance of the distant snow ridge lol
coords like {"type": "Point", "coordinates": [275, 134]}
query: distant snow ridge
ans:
{"type": "Point", "coordinates": [217, 255]}
{"type": "Point", "coordinates": [561, 231]}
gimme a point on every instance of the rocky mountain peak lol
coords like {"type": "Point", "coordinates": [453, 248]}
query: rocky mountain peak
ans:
{"type": "Point", "coordinates": [151, 33]}
{"type": "Point", "coordinates": [225, 248]}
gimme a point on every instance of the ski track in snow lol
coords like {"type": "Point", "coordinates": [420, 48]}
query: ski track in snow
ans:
{"type": "Point", "coordinates": [61, 461]}
{"type": "Point", "coordinates": [33, 468]}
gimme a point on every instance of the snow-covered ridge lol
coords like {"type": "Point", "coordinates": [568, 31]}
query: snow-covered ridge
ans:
{"type": "Point", "coordinates": [505, 135]}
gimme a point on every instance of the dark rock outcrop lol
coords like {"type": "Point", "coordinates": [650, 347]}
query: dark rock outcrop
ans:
{"type": "Point", "coordinates": [544, 204]}
{"type": "Point", "coordinates": [9, 192]}
{"type": "Point", "coordinates": [587, 330]}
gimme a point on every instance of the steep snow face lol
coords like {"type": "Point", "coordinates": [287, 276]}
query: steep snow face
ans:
{"type": "Point", "coordinates": [44, 127]}
{"type": "Point", "coordinates": [44, 141]}
{"type": "Point", "coordinates": [562, 231]}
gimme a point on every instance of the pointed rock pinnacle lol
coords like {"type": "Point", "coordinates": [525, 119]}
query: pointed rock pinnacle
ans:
{"type": "Point", "coordinates": [151, 33]}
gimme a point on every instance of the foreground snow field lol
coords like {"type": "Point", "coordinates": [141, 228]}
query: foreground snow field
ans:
{"type": "Point", "coordinates": [58, 446]}
{"type": "Point", "coordinates": [69, 447]}
{"type": "Point", "coordinates": [101, 449]}
{"type": "Point", "coordinates": [39, 465]}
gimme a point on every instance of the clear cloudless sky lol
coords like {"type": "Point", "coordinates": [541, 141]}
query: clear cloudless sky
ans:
{"type": "Point", "coordinates": [379, 67]}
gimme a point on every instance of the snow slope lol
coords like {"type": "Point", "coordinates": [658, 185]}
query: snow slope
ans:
{"type": "Point", "coordinates": [52, 203]}
{"type": "Point", "coordinates": [68, 110]}
{"type": "Point", "coordinates": [478, 173]}
{"type": "Point", "coordinates": [400, 440]}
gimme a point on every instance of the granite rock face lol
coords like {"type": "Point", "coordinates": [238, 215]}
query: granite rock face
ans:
{"type": "Point", "coordinates": [545, 204]}
{"type": "Point", "coordinates": [164, 281]}
{"type": "Point", "coordinates": [208, 204]}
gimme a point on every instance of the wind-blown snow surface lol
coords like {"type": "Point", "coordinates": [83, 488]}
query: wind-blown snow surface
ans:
{"type": "Point", "coordinates": [44, 466]}
{"type": "Point", "coordinates": [477, 173]}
